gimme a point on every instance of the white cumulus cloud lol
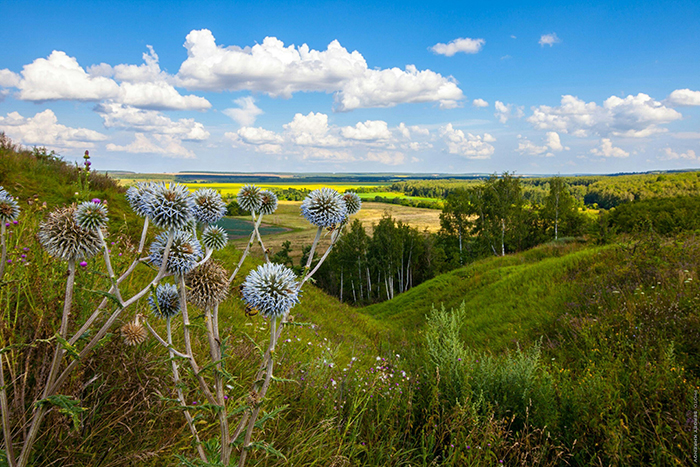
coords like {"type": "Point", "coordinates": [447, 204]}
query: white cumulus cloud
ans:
{"type": "Point", "coordinates": [480, 103]}
{"type": "Point", "coordinates": [551, 145]}
{"type": "Point", "coordinates": [9, 79]}
{"type": "Point", "coordinates": [44, 130]}
{"type": "Point", "coordinates": [549, 39]}
{"type": "Point", "coordinates": [464, 45]}
{"type": "Point", "coordinates": [165, 145]}
{"type": "Point", "coordinates": [634, 116]}
{"type": "Point", "coordinates": [467, 145]}
{"type": "Point", "coordinates": [279, 70]}
{"type": "Point", "coordinates": [670, 154]}
{"type": "Point", "coordinates": [505, 112]}
{"type": "Point", "coordinates": [150, 121]}
{"type": "Point", "coordinates": [246, 113]}
{"type": "Point", "coordinates": [607, 149]}
{"type": "Point", "coordinates": [371, 130]}
{"type": "Point", "coordinates": [683, 97]}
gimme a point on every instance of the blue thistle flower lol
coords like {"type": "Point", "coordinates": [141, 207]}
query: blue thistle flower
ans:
{"type": "Point", "coordinates": [63, 238]}
{"type": "Point", "coordinates": [139, 198]}
{"type": "Point", "coordinates": [209, 208]}
{"type": "Point", "coordinates": [91, 216]}
{"type": "Point", "coordinates": [272, 289]}
{"type": "Point", "coordinates": [171, 206]}
{"type": "Point", "coordinates": [268, 202]}
{"type": "Point", "coordinates": [165, 302]}
{"type": "Point", "coordinates": [249, 198]}
{"type": "Point", "coordinates": [185, 251]}
{"type": "Point", "coordinates": [9, 209]}
{"type": "Point", "coordinates": [324, 208]}
{"type": "Point", "coordinates": [214, 237]}
{"type": "Point", "coordinates": [352, 202]}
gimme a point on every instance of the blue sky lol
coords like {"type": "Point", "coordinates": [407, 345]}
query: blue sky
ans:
{"type": "Point", "coordinates": [451, 87]}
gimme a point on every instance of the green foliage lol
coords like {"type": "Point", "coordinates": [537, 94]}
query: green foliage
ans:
{"type": "Point", "coordinates": [664, 216]}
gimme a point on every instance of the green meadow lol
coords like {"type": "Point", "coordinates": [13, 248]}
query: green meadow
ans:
{"type": "Point", "coordinates": [576, 352]}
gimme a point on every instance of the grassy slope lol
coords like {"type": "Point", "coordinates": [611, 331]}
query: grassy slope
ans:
{"type": "Point", "coordinates": [508, 299]}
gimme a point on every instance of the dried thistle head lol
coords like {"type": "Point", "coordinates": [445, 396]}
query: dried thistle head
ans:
{"type": "Point", "coordinates": [63, 238]}
{"type": "Point", "coordinates": [207, 285]}
{"type": "Point", "coordinates": [134, 332]}
{"type": "Point", "coordinates": [208, 206]}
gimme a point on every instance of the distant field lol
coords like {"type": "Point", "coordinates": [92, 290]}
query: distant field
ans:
{"type": "Point", "coordinates": [239, 228]}
{"type": "Point", "coordinates": [301, 233]}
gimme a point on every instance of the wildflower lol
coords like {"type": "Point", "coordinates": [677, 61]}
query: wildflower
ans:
{"type": "Point", "coordinates": [249, 198]}
{"type": "Point", "coordinates": [96, 200]}
{"type": "Point", "coordinates": [171, 206]}
{"type": "Point", "coordinates": [185, 251]}
{"type": "Point", "coordinates": [208, 206]}
{"type": "Point", "coordinates": [324, 208]}
{"type": "Point", "coordinates": [91, 216]}
{"type": "Point", "coordinates": [352, 202]}
{"type": "Point", "coordinates": [272, 289]}
{"type": "Point", "coordinates": [165, 303]}
{"type": "Point", "coordinates": [214, 237]}
{"type": "Point", "coordinates": [63, 238]}
{"type": "Point", "coordinates": [268, 202]}
{"type": "Point", "coordinates": [9, 261]}
{"type": "Point", "coordinates": [133, 332]}
{"type": "Point", "coordinates": [207, 285]}
{"type": "Point", "coordinates": [83, 264]}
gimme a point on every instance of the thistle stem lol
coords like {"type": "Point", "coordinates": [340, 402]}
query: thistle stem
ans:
{"type": "Point", "coordinates": [4, 250]}
{"type": "Point", "coordinates": [180, 395]}
{"type": "Point", "coordinates": [256, 225]}
{"type": "Point", "coordinates": [108, 265]}
{"type": "Point", "coordinates": [260, 395]}
{"type": "Point", "coordinates": [9, 450]}
{"type": "Point", "coordinates": [245, 253]}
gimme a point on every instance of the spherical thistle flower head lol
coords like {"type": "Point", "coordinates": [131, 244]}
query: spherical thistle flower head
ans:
{"type": "Point", "coordinates": [63, 238]}
{"type": "Point", "coordinates": [268, 202]}
{"type": "Point", "coordinates": [91, 216]}
{"type": "Point", "coordinates": [352, 202]}
{"type": "Point", "coordinates": [185, 251]}
{"type": "Point", "coordinates": [249, 198]}
{"type": "Point", "coordinates": [9, 209]}
{"type": "Point", "coordinates": [171, 206]}
{"type": "Point", "coordinates": [271, 289]}
{"type": "Point", "coordinates": [324, 208]}
{"type": "Point", "coordinates": [134, 332]}
{"type": "Point", "coordinates": [208, 206]}
{"type": "Point", "coordinates": [165, 302]}
{"type": "Point", "coordinates": [139, 198]}
{"type": "Point", "coordinates": [207, 285]}
{"type": "Point", "coordinates": [214, 237]}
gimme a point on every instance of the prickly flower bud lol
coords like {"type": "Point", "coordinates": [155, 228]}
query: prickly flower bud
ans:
{"type": "Point", "coordinates": [272, 289]}
{"type": "Point", "coordinates": [324, 208]}
{"type": "Point", "coordinates": [249, 198]}
{"type": "Point", "coordinates": [208, 206]}
{"type": "Point", "coordinates": [214, 237]}
{"type": "Point", "coordinates": [63, 238]}
{"type": "Point", "coordinates": [165, 302]}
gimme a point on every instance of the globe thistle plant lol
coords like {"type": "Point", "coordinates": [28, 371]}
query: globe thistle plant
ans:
{"type": "Point", "coordinates": [214, 237]}
{"type": "Point", "coordinates": [324, 208]}
{"type": "Point", "coordinates": [185, 251]}
{"type": "Point", "coordinates": [272, 289]}
{"type": "Point", "coordinates": [352, 202]}
{"type": "Point", "coordinates": [171, 206]}
{"type": "Point", "coordinates": [207, 285]}
{"type": "Point", "coordinates": [249, 198]}
{"type": "Point", "coordinates": [91, 216]}
{"type": "Point", "coordinates": [268, 202]}
{"type": "Point", "coordinates": [208, 206]}
{"type": "Point", "coordinates": [165, 302]}
{"type": "Point", "coordinates": [9, 209]}
{"type": "Point", "coordinates": [63, 238]}
{"type": "Point", "coordinates": [139, 198]}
